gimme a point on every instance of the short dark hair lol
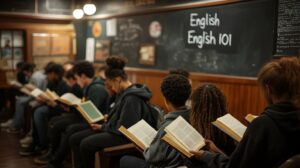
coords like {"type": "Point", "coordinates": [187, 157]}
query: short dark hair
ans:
{"type": "Point", "coordinates": [55, 68]}
{"type": "Point", "coordinates": [70, 74]}
{"type": "Point", "coordinates": [179, 72]}
{"type": "Point", "coordinates": [176, 89]}
{"type": "Point", "coordinates": [28, 67]}
{"type": "Point", "coordinates": [84, 67]}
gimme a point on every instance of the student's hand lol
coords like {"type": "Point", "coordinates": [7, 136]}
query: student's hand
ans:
{"type": "Point", "coordinates": [65, 108]}
{"type": "Point", "coordinates": [198, 154]}
{"type": "Point", "coordinates": [96, 127]}
{"type": "Point", "coordinates": [40, 100]}
{"type": "Point", "coordinates": [212, 147]}
{"type": "Point", "coordinates": [105, 118]}
{"type": "Point", "coordinates": [51, 103]}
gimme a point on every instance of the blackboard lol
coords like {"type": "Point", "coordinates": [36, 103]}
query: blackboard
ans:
{"type": "Point", "coordinates": [26, 6]}
{"type": "Point", "coordinates": [249, 25]}
{"type": "Point", "coordinates": [288, 30]}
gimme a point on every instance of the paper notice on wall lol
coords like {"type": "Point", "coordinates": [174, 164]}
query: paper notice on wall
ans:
{"type": "Point", "coordinates": [90, 49]}
{"type": "Point", "coordinates": [111, 27]}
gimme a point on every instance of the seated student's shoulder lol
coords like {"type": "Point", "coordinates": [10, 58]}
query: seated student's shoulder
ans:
{"type": "Point", "coordinates": [263, 123]}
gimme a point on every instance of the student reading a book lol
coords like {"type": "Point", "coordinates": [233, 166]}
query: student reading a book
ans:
{"type": "Point", "coordinates": [37, 79]}
{"type": "Point", "coordinates": [209, 103]}
{"type": "Point", "coordinates": [50, 108]}
{"type": "Point", "coordinates": [131, 105]}
{"type": "Point", "coordinates": [176, 90]}
{"type": "Point", "coordinates": [185, 74]}
{"type": "Point", "coordinates": [93, 90]}
{"type": "Point", "coordinates": [274, 136]}
{"type": "Point", "coordinates": [58, 124]}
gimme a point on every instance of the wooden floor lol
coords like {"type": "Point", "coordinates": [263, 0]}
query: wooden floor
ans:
{"type": "Point", "coordinates": [9, 152]}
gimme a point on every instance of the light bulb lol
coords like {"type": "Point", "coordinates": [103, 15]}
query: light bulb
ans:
{"type": "Point", "coordinates": [78, 13]}
{"type": "Point", "coordinates": [89, 9]}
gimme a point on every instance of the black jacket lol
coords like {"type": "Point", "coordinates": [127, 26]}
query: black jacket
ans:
{"type": "Point", "coordinates": [269, 140]}
{"type": "Point", "coordinates": [130, 107]}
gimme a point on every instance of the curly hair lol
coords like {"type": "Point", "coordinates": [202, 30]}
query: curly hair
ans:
{"type": "Point", "coordinates": [84, 67]}
{"type": "Point", "coordinates": [208, 104]}
{"type": "Point", "coordinates": [55, 68]}
{"type": "Point", "coordinates": [115, 67]}
{"type": "Point", "coordinates": [281, 76]}
{"type": "Point", "coordinates": [176, 89]}
{"type": "Point", "coordinates": [179, 72]}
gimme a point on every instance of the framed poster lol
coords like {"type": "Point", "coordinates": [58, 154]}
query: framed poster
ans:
{"type": "Point", "coordinates": [18, 53]}
{"type": "Point", "coordinates": [40, 44]}
{"type": "Point", "coordinates": [18, 39]}
{"type": "Point", "coordinates": [6, 39]}
{"type": "Point", "coordinates": [60, 44]}
{"type": "Point", "coordinates": [147, 54]}
{"type": "Point", "coordinates": [102, 50]}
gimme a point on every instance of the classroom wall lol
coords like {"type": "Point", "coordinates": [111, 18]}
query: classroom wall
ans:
{"type": "Point", "coordinates": [242, 93]}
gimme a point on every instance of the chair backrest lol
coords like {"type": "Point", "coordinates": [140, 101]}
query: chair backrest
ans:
{"type": "Point", "coordinates": [293, 162]}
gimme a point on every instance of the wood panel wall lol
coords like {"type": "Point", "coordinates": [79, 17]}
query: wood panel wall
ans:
{"type": "Point", "coordinates": [243, 94]}
{"type": "Point", "coordinates": [35, 24]}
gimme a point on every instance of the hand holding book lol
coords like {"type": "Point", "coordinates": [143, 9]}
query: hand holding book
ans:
{"type": "Point", "coordinates": [96, 127]}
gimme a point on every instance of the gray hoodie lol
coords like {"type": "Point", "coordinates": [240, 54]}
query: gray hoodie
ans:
{"type": "Point", "coordinates": [160, 154]}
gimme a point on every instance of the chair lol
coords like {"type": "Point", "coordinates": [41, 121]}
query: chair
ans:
{"type": "Point", "coordinates": [109, 157]}
{"type": "Point", "coordinates": [293, 162]}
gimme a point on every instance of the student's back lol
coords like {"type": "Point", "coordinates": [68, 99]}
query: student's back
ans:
{"type": "Point", "coordinates": [273, 137]}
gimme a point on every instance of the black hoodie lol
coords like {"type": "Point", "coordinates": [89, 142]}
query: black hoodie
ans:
{"type": "Point", "coordinates": [269, 140]}
{"type": "Point", "coordinates": [130, 107]}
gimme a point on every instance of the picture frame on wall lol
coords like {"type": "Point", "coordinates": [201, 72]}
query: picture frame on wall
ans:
{"type": "Point", "coordinates": [60, 44]}
{"type": "Point", "coordinates": [147, 54]}
{"type": "Point", "coordinates": [40, 44]}
{"type": "Point", "coordinates": [102, 50]}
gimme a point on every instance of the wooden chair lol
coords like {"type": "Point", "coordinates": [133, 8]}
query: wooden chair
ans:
{"type": "Point", "coordinates": [109, 157]}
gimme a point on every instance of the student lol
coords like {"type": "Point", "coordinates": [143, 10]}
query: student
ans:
{"type": "Point", "coordinates": [42, 114]}
{"type": "Point", "coordinates": [208, 104]}
{"type": "Point", "coordinates": [273, 137]}
{"type": "Point", "coordinates": [176, 90]}
{"type": "Point", "coordinates": [129, 107]}
{"type": "Point", "coordinates": [58, 124]}
{"type": "Point", "coordinates": [93, 90]}
{"type": "Point", "coordinates": [185, 74]}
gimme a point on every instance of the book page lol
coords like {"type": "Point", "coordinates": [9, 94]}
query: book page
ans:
{"type": "Point", "coordinates": [26, 91]}
{"type": "Point", "coordinates": [234, 124]}
{"type": "Point", "coordinates": [15, 83]}
{"type": "Point", "coordinates": [185, 134]}
{"type": "Point", "coordinates": [177, 145]}
{"type": "Point", "coordinates": [90, 112]}
{"type": "Point", "coordinates": [52, 94]}
{"type": "Point", "coordinates": [71, 98]}
{"type": "Point", "coordinates": [29, 86]}
{"type": "Point", "coordinates": [250, 117]}
{"type": "Point", "coordinates": [144, 132]}
{"type": "Point", "coordinates": [36, 92]}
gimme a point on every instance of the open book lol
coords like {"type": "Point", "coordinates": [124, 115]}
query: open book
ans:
{"type": "Point", "coordinates": [67, 98]}
{"type": "Point", "coordinates": [38, 93]}
{"type": "Point", "coordinates": [15, 83]}
{"type": "Point", "coordinates": [183, 137]}
{"type": "Point", "coordinates": [90, 112]}
{"type": "Point", "coordinates": [250, 117]}
{"type": "Point", "coordinates": [141, 133]}
{"type": "Point", "coordinates": [231, 126]}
